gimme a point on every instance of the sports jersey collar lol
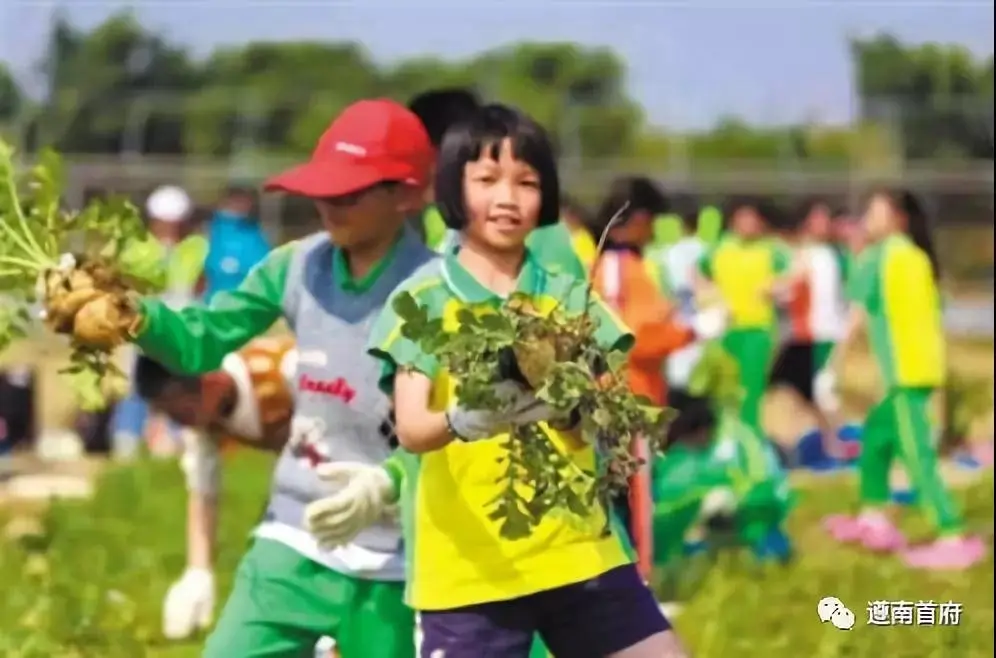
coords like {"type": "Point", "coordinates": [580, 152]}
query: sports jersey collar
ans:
{"type": "Point", "coordinates": [344, 278]}
{"type": "Point", "coordinates": [468, 289]}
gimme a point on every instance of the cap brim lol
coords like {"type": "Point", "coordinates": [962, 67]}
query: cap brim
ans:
{"type": "Point", "coordinates": [330, 179]}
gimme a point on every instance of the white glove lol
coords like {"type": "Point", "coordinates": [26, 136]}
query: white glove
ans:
{"type": "Point", "coordinates": [365, 493]}
{"type": "Point", "coordinates": [521, 407]}
{"type": "Point", "coordinates": [825, 392]}
{"type": "Point", "coordinates": [720, 500]}
{"type": "Point", "coordinates": [189, 604]}
{"type": "Point", "coordinates": [709, 323]}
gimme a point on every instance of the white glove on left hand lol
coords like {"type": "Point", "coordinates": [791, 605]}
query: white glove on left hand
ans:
{"type": "Point", "coordinates": [825, 391]}
{"type": "Point", "coordinates": [366, 493]}
{"type": "Point", "coordinates": [189, 604]}
{"type": "Point", "coordinates": [709, 323]}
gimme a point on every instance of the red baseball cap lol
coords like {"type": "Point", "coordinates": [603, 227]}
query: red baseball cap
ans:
{"type": "Point", "coordinates": [370, 142]}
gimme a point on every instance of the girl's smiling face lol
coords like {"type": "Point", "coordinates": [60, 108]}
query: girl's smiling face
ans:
{"type": "Point", "coordinates": [502, 197]}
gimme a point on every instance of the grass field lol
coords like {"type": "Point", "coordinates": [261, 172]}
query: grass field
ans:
{"type": "Point", "coordinates": [92, 583]}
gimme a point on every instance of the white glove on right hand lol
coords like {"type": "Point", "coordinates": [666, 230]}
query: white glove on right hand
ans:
{"type": "Point", "coordinates": [367, 491]}
{"type": "Point", "coordinates": [720, 500]}
{"type": "Point", "coordinates": [709, 323]}
{"type": "Point", "coordinates": [825, 392]}
{"type": "Point", "coordinates": [521, 408]}
{"type": "Point", "coordinates": [189, 604]}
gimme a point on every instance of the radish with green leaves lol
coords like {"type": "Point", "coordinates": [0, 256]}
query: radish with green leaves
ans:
{"type": "Point", "coordinates": [86, 267]}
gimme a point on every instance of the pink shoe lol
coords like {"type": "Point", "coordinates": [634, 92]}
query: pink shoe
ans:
{"type": "Point", "coordinates": [951, 553]}
{"type": "Point", "coordinates": [843, 528]}
{"type": "Point", "coordinates": [881, 536]}
{"type": "Point", "coordinates": [983, 453]}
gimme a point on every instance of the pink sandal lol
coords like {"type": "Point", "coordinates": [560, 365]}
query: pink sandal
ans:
{"type": "Point", "coordinates": [946, 554]}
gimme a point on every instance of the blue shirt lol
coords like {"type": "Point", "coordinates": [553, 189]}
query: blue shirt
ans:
{"type": "Point", "coordinates": [235, 245]}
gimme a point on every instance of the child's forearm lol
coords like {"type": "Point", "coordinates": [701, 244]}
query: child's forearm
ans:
{"type": "Point", "coordinates": [202, 524]}
{"type": "Point", "coordinates": [423, 431]}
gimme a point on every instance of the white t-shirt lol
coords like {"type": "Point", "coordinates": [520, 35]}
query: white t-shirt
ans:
{"type": "Point", "coordinates": [680, 261]}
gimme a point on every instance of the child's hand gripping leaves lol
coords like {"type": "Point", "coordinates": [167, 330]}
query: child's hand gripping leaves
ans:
{"type": "Point", "coordinates": [88, 295]}
{"type": "Point", "coordinates": [554, 358]}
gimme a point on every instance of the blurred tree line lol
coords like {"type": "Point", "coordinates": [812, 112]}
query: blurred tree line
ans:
{"type": "Point", "coordinates": [121, 88]}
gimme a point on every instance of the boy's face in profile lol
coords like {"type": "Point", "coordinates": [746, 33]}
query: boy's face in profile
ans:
{"type": "Point", "coordinates": [183, 406]}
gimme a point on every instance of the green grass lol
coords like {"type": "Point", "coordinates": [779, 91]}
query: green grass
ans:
{"type": "Point", "coordinates": [93, 583]}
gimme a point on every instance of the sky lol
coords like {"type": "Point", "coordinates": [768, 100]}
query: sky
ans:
{"type": "Point", "coordinates": [689, 63]}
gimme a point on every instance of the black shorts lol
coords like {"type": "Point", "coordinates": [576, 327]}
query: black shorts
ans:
{"type": "Point", "coordinates": [797, 366]}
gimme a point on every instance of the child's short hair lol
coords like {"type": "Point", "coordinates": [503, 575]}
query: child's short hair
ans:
{"type": "Point", "coordinates": [697, 415]}
{"type": "Point", "coordinates": [487, 129]}
{"type": "Point", "coordinates": [641, 193]}
{"type": "Point", "coordinates": [441, 109]}
{"type": "Point", "coordinates": [688, 209]}
{"type": "Point", "coordinates": [807, 205]}
{"type": "Point", "coordinates": [762, 206]}
{"type": "Point", "coordinates": [152, 378]}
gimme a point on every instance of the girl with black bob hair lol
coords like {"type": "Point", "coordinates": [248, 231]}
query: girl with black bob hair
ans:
{"type": "Point", "coordinates": [569, 581]}
{"type": "Point", "coordinates": [486, 132]}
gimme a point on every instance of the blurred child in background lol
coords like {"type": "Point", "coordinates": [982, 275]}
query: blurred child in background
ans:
{"type": "Point", "coordinates": [679, 262]}
{"type": "Point", "coordinates": [895, 296]}
{"type": "Point", "coordinates": [721, 474]}
{"type": "Point", "coordinates": [236, 241]}
{"type": "Point", "coordinates": [630, 284]}
{"type": "Point", "coordinates": [746, 269]}
{"type": "Point", "coordinates": [815, 311]}
{"type": "Point", "coordinates": [169, 210]}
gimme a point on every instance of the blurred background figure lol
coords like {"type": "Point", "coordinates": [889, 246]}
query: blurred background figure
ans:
{"type": "Point", "coordinates": [745, 269]}
{"type": "Point", "coordinates": [679, 262]}
{"type": "Point", "coordinates": [169, 210]}
{"type": "Point", "coordinates": [17, 409]}
{"type": "Point", "coordinates": [816, 310]}
{"type": "Point", "coordinates": [236, 241]}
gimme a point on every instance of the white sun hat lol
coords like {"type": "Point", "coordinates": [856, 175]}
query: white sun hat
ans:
{"type": "Point", "coordinates": [169, 203]}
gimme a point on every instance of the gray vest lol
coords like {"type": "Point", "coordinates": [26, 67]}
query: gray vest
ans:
{"type": "Point", "coordinates": [336, 381]}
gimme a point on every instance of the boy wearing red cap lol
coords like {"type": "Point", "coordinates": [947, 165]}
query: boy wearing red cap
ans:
{"type": "Point", "coordinates": [366, 175]}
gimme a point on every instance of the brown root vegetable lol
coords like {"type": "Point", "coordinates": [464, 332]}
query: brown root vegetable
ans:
{"type": "Point", "coordinates": [105, 322]}
{"type": "Point", "coordinates": [535, 358]}
{"type": "Point", "coordinates": [62, 307]}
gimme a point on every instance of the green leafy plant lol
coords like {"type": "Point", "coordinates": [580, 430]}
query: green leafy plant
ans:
{"type": "Point", "coordinates": [85, 266]}
{"type": "Point", "coordinates": [717, 376]}
{"type": "Point", "coordinates": [556, 356]}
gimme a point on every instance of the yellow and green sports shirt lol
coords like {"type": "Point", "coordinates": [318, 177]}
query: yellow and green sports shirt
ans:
{"type": "Point", "coordinates": [894, 282]}
{"type": "Point", "coordinates": [744, 271]}
{"type": "Point", "coordinates": [455, 554]}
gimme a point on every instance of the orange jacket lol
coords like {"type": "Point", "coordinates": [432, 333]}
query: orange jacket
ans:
{"type": "Point", "coordinates": [623, 280]}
